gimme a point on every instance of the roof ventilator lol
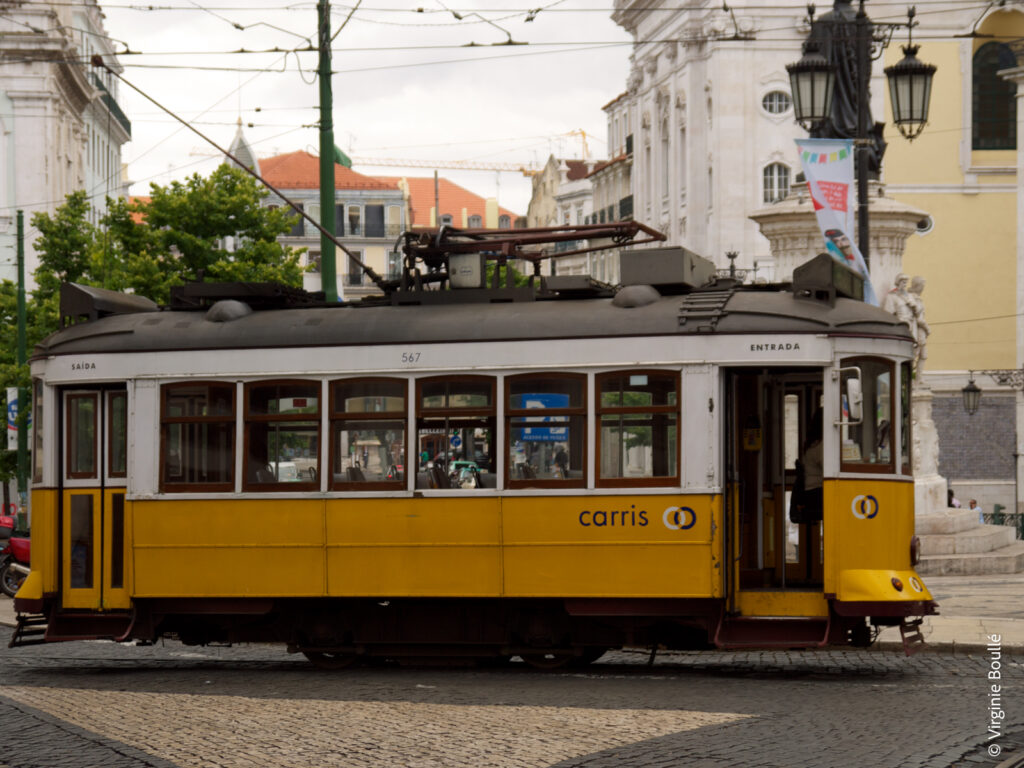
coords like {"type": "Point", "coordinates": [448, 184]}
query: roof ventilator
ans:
{"type": "Point", "coordinates": [824, 279]}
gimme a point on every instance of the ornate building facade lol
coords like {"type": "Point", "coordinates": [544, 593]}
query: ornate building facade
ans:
{"type": "Point", "coordinates": [61, 128]}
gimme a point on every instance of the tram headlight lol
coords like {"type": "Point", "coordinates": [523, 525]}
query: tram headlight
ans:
{"type": "Point", "coordinates": [915, 551]}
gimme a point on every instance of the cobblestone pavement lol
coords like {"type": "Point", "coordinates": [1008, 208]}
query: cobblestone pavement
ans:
{"type": "Point", "coordinates": [169, 706]}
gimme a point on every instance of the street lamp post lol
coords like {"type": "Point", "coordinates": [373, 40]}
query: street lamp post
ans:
{"type": "Point", "coordinates": [830, 87]}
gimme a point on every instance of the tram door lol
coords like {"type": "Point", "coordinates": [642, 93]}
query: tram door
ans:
{"type": "Point", "coordinates": [94, 457]}
{"type": "Point", "coordinates": [772, 421]}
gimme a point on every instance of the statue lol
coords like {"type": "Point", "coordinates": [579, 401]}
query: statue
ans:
{"type": "Point", "coordinates": [922, 329]}
{"type": "Point", "coordinates": [908, 306]}
{"type": "Point", "coordinates": [898, 302]}
{"type": "Point", "coordinates": [836, 36]}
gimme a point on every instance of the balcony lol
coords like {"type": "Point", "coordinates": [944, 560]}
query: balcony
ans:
{"type": "Point", "coordinates": [111, 104]}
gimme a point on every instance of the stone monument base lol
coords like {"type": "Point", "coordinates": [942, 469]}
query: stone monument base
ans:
{"type": "Point", "coordinates": [930, 488]}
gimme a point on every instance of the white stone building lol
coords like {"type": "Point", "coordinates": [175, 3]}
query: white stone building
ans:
{"type": "Point", "coordinates": [710, 116]}
{"type": "Point", "coordinates": [61, 128]}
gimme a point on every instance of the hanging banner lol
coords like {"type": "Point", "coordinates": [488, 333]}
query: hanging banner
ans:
{"type": "Point", "coordinates": [828, 168]}
{"type": "Point", "coordinates": [12, 418]}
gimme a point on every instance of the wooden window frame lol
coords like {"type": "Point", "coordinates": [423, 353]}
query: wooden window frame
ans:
{"type": "Point", "coordinates": [457, 415]}
{"type": "Point", "coordinates": [668, 481]}
{"type": "Point", "coordinates": [249, 419]}
{"type": "Point", "coordinates": [110, 395]}
{"type": "Point", "coordinates": [863, 467]}
{"type": "Point", "coordinates": [906, 418]}
{"type": "Point", "coordinates": [231, 420]}
{"type": "Point", "coordinates": [69, 400]}
{"type": "Point", "coordinates": [337, 416]}
{"type": "Point", "coordinates": [514, 413]}
{"type": "Point", "coordinates": [38, 433]}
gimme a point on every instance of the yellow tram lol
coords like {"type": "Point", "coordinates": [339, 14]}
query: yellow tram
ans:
{"type": "Point", "coordinates": [484, 471]}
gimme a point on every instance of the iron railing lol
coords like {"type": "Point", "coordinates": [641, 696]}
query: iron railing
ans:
{"type": "Point", "coordinates": [111, 104]}
{"type": "Point", "coordinates": [1012, 519]}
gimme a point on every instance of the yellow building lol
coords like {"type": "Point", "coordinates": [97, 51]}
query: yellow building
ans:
{"type": "Point", "coordinates": [963, 171]}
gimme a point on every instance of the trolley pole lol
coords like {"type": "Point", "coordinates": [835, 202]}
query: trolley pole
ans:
{"type": "Point", "coordinates": [328, 269]}
{"type": "Point", "coordinates": [22, 391]}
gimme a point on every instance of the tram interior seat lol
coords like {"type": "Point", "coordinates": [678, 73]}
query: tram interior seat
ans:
{"type": "Point", "coordinates": [355, 475]}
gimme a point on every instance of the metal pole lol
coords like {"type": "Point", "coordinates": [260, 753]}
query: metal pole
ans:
{"type": "Point", "coordinates": [22, 391]}
{"type": "Point", "coordinates": [328, 271]}
{"type": "Point", "coordinates": [437, 202]}
{"type": "Point", "coordinates": [863, 33]}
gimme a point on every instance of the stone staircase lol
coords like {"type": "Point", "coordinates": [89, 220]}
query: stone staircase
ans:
{"type": "Point", "coordinates": [954, 543]}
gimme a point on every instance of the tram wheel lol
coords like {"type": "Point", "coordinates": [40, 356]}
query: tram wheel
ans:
{"type": "Point", "coordinates": [589, 656]}
{"type": "Point", "coordinates": [547, 660]}
{"type": "Point", "coordinates": [328, 660]}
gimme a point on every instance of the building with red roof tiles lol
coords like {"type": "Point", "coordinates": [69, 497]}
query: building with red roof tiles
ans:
{"type": "Point", "coordinates": [369, 215]}
{"type": "Point", "coordinates": [459, 207]}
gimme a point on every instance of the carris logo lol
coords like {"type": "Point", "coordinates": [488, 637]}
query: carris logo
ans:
{"type": "Point", "coordinates": [679, 518]}
{"type": "Point", "coordinates": [864, 507]}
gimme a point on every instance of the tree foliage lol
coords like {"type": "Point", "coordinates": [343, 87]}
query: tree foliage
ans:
{"type": "Point", "coordinates": [211, 228]}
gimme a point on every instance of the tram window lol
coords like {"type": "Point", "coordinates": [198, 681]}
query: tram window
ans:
{"type": "Point", "coordinates": [82, 414]}
{"type": "Point", "coordinates": [37, 431]}
{"type": "Point", "coordinates": [905, 420]}
{"type": "Point", "coordinates": [117, 434]}
{"type": "Point", "coordinates": [197, 437]}
{"type": "Point", "coordinates": [455, 428]}
{"type": "Point", "coordinates": [638, 440]}
{"type": "Point", "coordinates": [368, 418]}
{"type": "Point", "coordinates": [867, 446]}
{"type": "Point", "coordinates": [546, 428]}
{"type": "Point", "coordinates": [282, 435]}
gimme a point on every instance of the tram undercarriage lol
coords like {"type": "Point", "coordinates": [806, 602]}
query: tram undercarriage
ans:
{"type": "Point", "coordinates": [545, 633]}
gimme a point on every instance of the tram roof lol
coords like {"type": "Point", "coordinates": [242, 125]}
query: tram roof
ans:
{"type": "Point", "coordinates": [736, 310]}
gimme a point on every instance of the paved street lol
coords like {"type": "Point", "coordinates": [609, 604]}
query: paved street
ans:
{"type": "Point", "coordinates": [170, 706]}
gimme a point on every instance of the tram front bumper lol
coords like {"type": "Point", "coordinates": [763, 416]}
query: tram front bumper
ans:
{"type": "Point", "coordinates": [891, 593]}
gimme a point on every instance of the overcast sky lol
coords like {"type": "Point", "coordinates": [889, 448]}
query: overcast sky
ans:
{"type": "Point", "coordinates": [404, 86]}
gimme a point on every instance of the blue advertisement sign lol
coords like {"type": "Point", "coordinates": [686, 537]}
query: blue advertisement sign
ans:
{"type": "Point", "coordinates": [540, 401]}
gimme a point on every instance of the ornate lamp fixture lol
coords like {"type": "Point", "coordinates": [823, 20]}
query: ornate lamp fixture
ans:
{"type": "Point", "coordinates": [910, 88]}
{"type": "Point", "coordinates": [972, 396]}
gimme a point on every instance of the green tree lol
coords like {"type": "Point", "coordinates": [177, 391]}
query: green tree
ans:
{"type": "Point", "coordinates": [65, 244]}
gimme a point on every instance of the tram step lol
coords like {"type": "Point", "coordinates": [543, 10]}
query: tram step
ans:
{"type": "Point", "coordinates": [913, 640]}
{"type": "Point", "coordinates": [30, 630]}
{"type": "Point", "coordinates": [772, 632]}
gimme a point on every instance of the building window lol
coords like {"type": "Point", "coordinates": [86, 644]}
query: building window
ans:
{"type": "Point", "coordinates": [776, 182]}
{"type": "Point", "coordinates": [282, 435]}
{"type": "Point", "coordinates": [546, 430]}
{"type": "Point", "coordinates": [394, 265]}
{"type": "Point", "coordinates": [354, 275]}
{"type": "Point", "coordinates": [197, 437]}
{"type": "Point", "coordinates": [353, 220]}
{"type": "Point", "coordinates": [299, 225]}
{"type": "Point", "coordinates": [368, 418]}
{"type": "Point", "coordinates": [666, 160]}
{"type": "Point", "coordinates": [375, 221]}
{"type": "Point", "coordinates": [994, 104]}
{"type": "Point", "coordinates": [638, 438]}
{"type": "Point", "coordinates": [504, 222]}
{"type": "Point", "coordinates": [313, 260]}
{"type": "Point", "coordinates": [476, 222]}
{"type": "Point", "coordinates": [776, 102]}
{"type": "Point", "coordinates": [455, 426]}
{"type": "Point", "coordinates": [394, 222]}
{"type": "Point", "coordinates": [446, 219]}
